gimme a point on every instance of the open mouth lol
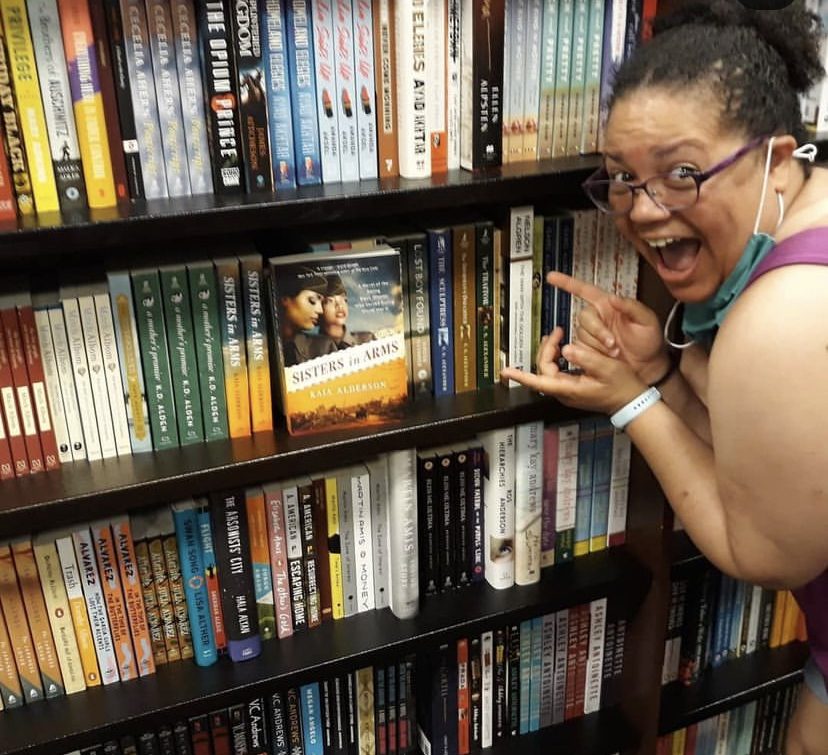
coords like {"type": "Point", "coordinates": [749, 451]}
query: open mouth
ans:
{"type": "Point", "coordinates": [677, 255]}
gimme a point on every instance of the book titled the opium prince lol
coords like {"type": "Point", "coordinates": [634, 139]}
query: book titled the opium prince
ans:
{"type": "Point", "coordinates": [341, 338]}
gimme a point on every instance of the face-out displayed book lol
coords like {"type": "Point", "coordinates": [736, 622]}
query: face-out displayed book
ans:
{"type": "Point", "coordinates": [340, 333]}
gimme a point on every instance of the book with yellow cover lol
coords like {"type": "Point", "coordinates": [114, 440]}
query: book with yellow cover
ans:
{"type": "Point", "coordinates": [340, 339]}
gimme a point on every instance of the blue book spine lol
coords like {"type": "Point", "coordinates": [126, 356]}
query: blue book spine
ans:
{"type": "Point", "coordinates": [535, 680]}
{"type": "Point", "coordinates": [722, 621]}
{"type": "Point", "coordinates": [311, 719]}
{"type": "Point", "coordinates": [583, 498]}
{"type": "Point", "coordinates": [601, 479]}
{"type": "Point", "coordinates": [525, 675]}
{"type": "Point", "coordinates": [195, 588]}
{"type": "Point", "coordinates": [440, 301]}
{"type": "Point", "coordinates": [274, 44]}
{"type": "Point", "coordinates": [563, 299]}
{"type": "Point", "coordinates": [550, 241]}
{"type": "Point", "coordinates": [303, 93]}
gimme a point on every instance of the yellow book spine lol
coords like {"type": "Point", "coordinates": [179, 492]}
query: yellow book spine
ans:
{"type": "Point", "coordinates": [165, 603]}
{"type": "Point", "coordinates": [260, 560]}
{"type": "Point", "coordinates": [30, 105]}
{"type": "Point", "coordinates": [60, 616]}
{"type": "Point", "coordinates": [334, 557]}
{"type": "Point", "coordinates": [11, 693]}
{"type": "Point", "coordinates": [581, 547]}
{"type": "Point", "coordinates": [679, 741]}
{"type": "Point", "coordinates": [258, 362]}
{"type": "Point", "coordinates": [790, 619]}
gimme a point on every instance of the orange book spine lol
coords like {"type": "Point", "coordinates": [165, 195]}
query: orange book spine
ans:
{"type": "Point", "coordinates": [131, 583]}
{"type": "Point", "coordinates": [38, 616]}
{"type": "Point", "coordinates": [114, 597]}
{"type": "Point", "coordinates": [385, 74]}
{"type": "Point", "coordinates": [8, 204]}
{"type": "Point", "coordinates": [150, 598]}
{"type": "Point", "coordinates": [790, 619]}
{"type": "Point", "coordinates": [205, 531]}
{"type": "Point", "coordinates": [10, 690]}
{"type": "Point", "coordinates": [258, 362]}
{"type": "Point", "coordinates": [260, 561]}
{"type": "Point", "coordinates": [18, 628]}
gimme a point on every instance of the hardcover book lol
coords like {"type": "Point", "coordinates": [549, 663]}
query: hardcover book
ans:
{"type": "Point", "coordinates": [340, 339]}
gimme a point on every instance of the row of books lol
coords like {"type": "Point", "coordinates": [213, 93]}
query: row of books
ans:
{"type": "Point", "coordinates": [111, 600]}
{"type": "Point", "coordinates": [519, 679]}
{"type": "Point", "coordinates": [753, 729]}
{"type": "Point", "coordinates": [714, 618]}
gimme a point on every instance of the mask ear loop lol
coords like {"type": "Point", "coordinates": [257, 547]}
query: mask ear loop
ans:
{"type": "Point", "coordinates": [679, 346]}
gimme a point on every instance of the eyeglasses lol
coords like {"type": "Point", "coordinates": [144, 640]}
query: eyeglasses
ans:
{"type": "Point", "coordinates": [676, 190]}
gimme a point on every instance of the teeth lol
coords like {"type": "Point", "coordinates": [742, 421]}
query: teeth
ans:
{"type": "Point", "coordinates": [660, 243]}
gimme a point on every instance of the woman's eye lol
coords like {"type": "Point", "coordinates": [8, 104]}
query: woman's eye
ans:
{"type": "Point", "coordinates": [620, 175]}
{"type": "Point", "coordinates": [684, 171]}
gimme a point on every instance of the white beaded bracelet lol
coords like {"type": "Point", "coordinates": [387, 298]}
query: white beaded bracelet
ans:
{"type": "Point", "coordinates": [638, 405]}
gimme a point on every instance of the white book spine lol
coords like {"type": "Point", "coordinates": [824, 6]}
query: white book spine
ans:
{"type": "Point", "coordinates": [561, 650]}
{"type": "Point", "coordinates": [403, 533]}
{"type": "Point", "coordinates": [80, 371]}
{"type": "Point", "coordinates": [528, 502]}
{"type": "Point", "coordinates": [605, 262]}
{"type": "Point", "coordinates": [595, 658]}
{"type": "Point", "coordinates": [521, 229]}
{"type": "Point", "coordinates": [582, 267]}
{"type": "Point", "coordinates": [499, 507]}
{"type": "Point", "coordinates": [626, 268]}
{"type": "Point", "coordinates": [722, 732]}
{"type": "Point", "coordinates": [467, 83]}
{"type": "Point", "coordinates": [378, 475]}
{"type": "Point", "coordinates": [363, 545]}
{"type": "Point", "coordinates": [753, 619]}
{"type": "Point", "coordinates": [453, 86]}
{"type": "Point", "coordinates": [619, 486]}
{"type": "Point", "coordinates": [532, 73]}
{"type": "Point", "coordinates": [366, 106]}
{"type": "Point", "coordinates": [508, 83]}
{"type": "Point", "coordinates": [97, 375]}
{"type": "Point", "coordinates": [328, 113]}
{"type": "Point", "coordinates": [346, 100]}
{"type": "Point", "coordinates": [293, 522]}
{"type": "Point", "coordinates": [412, 104]}
{"type": "Point", "coordinates": [65, 372]}
{"type": "Point", "coordinates": [53, 392]}
{"type": "Point", "coordinates": [435, 46]}
{"type": "Point", "coordinates": [27, 416]}
{"type": "Point", "coordinates": [112, 371]}
{"type": "Point", "coordinates": [95, 605]}
{"type": "Point", "coordinates": [487, 687]}
{"type": "Point", "coordinates": [567, 477]}
{"type": "Point", "coordinates": [547, 694]}
{"type": "Point", "coordinates": [516, 10]}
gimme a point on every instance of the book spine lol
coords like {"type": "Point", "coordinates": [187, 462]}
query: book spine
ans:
{"type": "Point", "coordinates": [191, 93]}
{"type": "Point", "coordinates": [149, 311]}
{"type": "Point", "coordinates": [528, 502]}
{"type": "Point", "coordinates": [465, 315]}
{"type": "Point", "coordinates": [257, 732]}
{"type": "Point", "coordinates": [260, 562]}
{"type": "Point", "coordinates": [488, 24]}
{"type": "Point", "coordinates": [601, 481]}
{"type": "Point", "coordinates": [323, 561]}
{"type": "Point", "coordinates": [13, 135]}
{"type": "Point", "coordinates": [363, 35]}
{"type": "Point", "coordinates": [293, 541]}
{"type": "Point", "coordinates": [8, 203]}
{"type": "Point", "coordinates": [303, 93]}
{"type": "Point", "coordinates": [231, 318]}
{"type": "Point", "coordinates": [112, 372]}
{"type": "Point", "coordinates": [474, 498]}
{"type": "Point", "coordinates": [178, 600]}
{"type": "Point", "coordinates": [294, 721]}
{"type": "Point", "coordinates": [563, 68]}
{"type": "Point", "coordinates": [484, 290]}
{"type": "Point", "coordinates": [583, 498]}
{"type": "Point", "coordinates": [136, 43]}
{"type": "Point", "coordinates": [6, 461]}
{"type": "Point", "coordinates": [311, 721]}
{"type": "Point", "coordinates": [88, 103]}
{"type": "Point", "coordinates": [129, 357]}
{"type": "Point", "coordinates": [592, 83]}
{"type": "Point", "coordinates": [385, 73]}
{"type": "Point", "coordinates": [275, 513]}
{"type": "Point", "coordinates": [531, 86]}
{"type": "Point", "coordinates": [37, 617]}
{"type": "Point", "coordinates": [166, 612]}
{"type": "Point", "coordinates": [97, 376]}
{"type": "Point", "coordinates": [258, 361]}
{"type": "Point", "coordinates": [37, 383]}
{"type": "Point", "coordinates": [550, 495]}
{"type": "Point", "coordinates": [332, 525]}
{"type": "Point", "coordinates": [345, 100]}
{"type": "Point", "coordinates": [277, 715]}
{"type": "Point", "coordinates": [549, 48]}
{"type": "Point", "coordinates": [346, 536]}
{"type": "Point", "coordinates": [577, 77]}
{"type": "Point", "coordinates": [363, 544]}
{"type": "Point", "coordinates": [565, 507]}
{"type": "Point", "coordinates": [366, 720]}
{"type": "Point", "coordinates": [206, 335]}
{"type": "Point", "coordinates": [499, 498]}
{"type": "Point", "coordinates": [192, 573]}
{"type": "Point", "coordinates": [547, 671]}
{"type": "Point", "coordinates": [379, 491]}
{"type": "Point", "coordinates": [208, 557]}
{"type": "Point", "coordinates": [133, 594]}
{"type": "Point", "coordinates": [30, 106]}
{"type": "Point", "coordinates": [232, 546]}
{"type": "Point", "coordinates": [221, 95]}
{"type": "Point", "coordinates": [161, 38]}
{"type": "Point", "coordinates": [521, 234]}
{"type": "Point", "coordinates": [152, 607]}
{"type": "Point", "coordinates": [412, 106]}
{"type": "Point", "coordinates": [58, 413]}
{"type": "Point", "coordinates": [114, 598]}
{"type": "Point", "coordinates": [441, 314]}
{"type": "Point", "coordinates": [279, 115]}
{"type": "Point", "coordinates": [183, 369]}
{"type": "Point", "coordinates": [416, 260]}
{"type": "Point", "coordinates": [11, 691]}
{"type": "Point", "coordinates": [619, 489]}
{"type": "Point", "coordinates": [17, 443]}
{"type": "Point", "coordinates": [309, 556]}
{"type": "Point", "coordinates": [253, 114]}
{"type": "Point", "coordinates": [95, 605]}
{"type": "Point", "coordinates": [595, 659]}
{"type": "Point", "coordinates": [513, 116]}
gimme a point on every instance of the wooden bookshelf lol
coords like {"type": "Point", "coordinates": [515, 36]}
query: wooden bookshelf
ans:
{"type": "Point", "coordinates": [730, 685]}
{"type": "Point", "coordinates": [181, 689]}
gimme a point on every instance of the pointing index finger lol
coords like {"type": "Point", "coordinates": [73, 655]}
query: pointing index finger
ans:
{"type": "Point", "coordinates": [579, 288]}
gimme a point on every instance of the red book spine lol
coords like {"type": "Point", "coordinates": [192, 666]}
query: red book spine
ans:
{"type": "Point", "coordinates": [20, 378]}
{"type": "Point", "coordinates": [581, 659]}
{"type": "Point", "coordinates": [6, 462]}
{"type": "Point", "coordinates": [8, 204]}
{"type": "Point", "coordinates": [37, 380]}
{"type": "Point", "coordinates": [573, 629]}
{"type": "Point", "coordinates": [11, 413]}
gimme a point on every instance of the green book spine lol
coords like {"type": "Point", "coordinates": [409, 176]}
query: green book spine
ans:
{"type": "Point", "coordinates": [207, 339]}
{"type": "Point", "coordinates": [149, 311]}
{"type": "Point", "coordinates": [183, 368]}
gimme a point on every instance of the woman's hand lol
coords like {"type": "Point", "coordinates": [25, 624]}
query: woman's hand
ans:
{"type": "Point", "coordinates": [605, 385]}
{"type": "Point", "coordinates": [618, 327]}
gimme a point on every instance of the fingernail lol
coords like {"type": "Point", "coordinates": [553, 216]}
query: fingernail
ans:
{"type": "Point", "coordinates": [610, 342]}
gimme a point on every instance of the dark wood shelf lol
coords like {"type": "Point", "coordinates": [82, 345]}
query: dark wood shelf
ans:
{"type": "Point", "coordinates": [602, 733]}
{"type": "Point", "coordinates": [207, 215]}
{"type": "Point", "coordinates": [182, 689]}
{"type": "Point", "coordinates": [82, 490]}
{"type": "Point", "coordinates": [683, 554]}
{"type": "Point", "coordinates": [730, 685]}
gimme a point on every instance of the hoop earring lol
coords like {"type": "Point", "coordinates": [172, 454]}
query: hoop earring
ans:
{"type": "Point", "coordinates": [679, 346]}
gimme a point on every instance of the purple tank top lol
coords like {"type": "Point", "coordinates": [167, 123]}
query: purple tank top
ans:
{"type": "Point", "coordinates": [806, 248]}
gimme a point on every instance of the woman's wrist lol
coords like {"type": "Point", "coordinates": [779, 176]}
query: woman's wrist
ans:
{"type": "Point", "coordinates": [657, 371]}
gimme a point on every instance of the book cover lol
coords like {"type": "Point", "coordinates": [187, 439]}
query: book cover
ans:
{"type": "Point", "coordinates": [340, 339]}
{"type": "Point", "coordinates": [345, 99]}
{"type": "Point", "coordinates": [325, 71]}
{"type": "Point", "coordinates": [412, 105]}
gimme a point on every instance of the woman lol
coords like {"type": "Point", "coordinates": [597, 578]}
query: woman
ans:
{"type": "Point", "coordinates": [701, 172]}
{"type": "Point", "coordinates": [300, 309]}
{"type": "Point", "coordinates": [334, 322]}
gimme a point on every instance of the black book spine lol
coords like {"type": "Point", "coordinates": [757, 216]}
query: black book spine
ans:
{"type": "Point", "coordinates": [351, 708]}
{"type": "Point", "coordinates": [294, 723]}
{"type": "Point", "coordinates": [148, 744]}
{"type": "Point", "coordinates": [380, 712]}
{"type": "Point", "coordinates": [277, 720]}
{"type": "Point", "coordinates": [327, 713]}
{"type": "Point", "coordinates": [411, 707]}
{"type": "Point", "coordinates": [445, 508]}
{"type": "Point", "coordinates": [500, 723]}
{"type": "Point", "coordinates": [340, 711]}
{"type": "Point", "coordinates": [461, 511]}
{"type": "Point", "coordinates": [221, 94]}
{"type": "Point", "coordinates": [238, 730]}
{"type": "Point", "coordinates": [314, 604]}
{"type": "Point", "coordinates": [181, 735]}
{"type": "Point", "coordinates": [238, 599]}
{"type": "Point", "coordinates": [487, 131]}
{"type": "Point", "coordinates": [475, 696]}
{"type": "Point", "coordinates": [426, 495]}
{"type": "Point", "coordinates": [200, 735]}
{"type": "Point", "coordinates": [391, 707]}
{"type": "Point", "coordinates": [257, 731]}
{"type": "Point", "coordinates": [166, 741]}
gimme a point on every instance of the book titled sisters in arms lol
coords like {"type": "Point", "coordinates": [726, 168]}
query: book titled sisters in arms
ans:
{"type": "Point", "coordinates": [341, 338]}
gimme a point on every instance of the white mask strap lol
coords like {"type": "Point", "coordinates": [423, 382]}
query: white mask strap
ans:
{"type": "Point", "coordinates": [806, 152]}
{"type": "Point", "coordinates": [686, 344]}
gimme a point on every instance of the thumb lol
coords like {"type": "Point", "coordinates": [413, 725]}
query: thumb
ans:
{"type": "Point", "coordinates": [633, 309]}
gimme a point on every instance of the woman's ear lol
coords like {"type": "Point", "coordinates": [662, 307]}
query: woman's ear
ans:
{"type": "Point", "coordinates": [782, 162]}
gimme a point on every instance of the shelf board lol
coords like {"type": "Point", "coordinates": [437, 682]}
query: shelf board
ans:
{"type": "Point", "coordinates": [730, 685]}
{"type": "Point", "coordinates": [156, 220]}
{"type": "Point", "coordinates": [82, 490]}
{"type": "Point", "coordinates": [182, 689]}
{"type": "Point", "coordinates": [602, 733]}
